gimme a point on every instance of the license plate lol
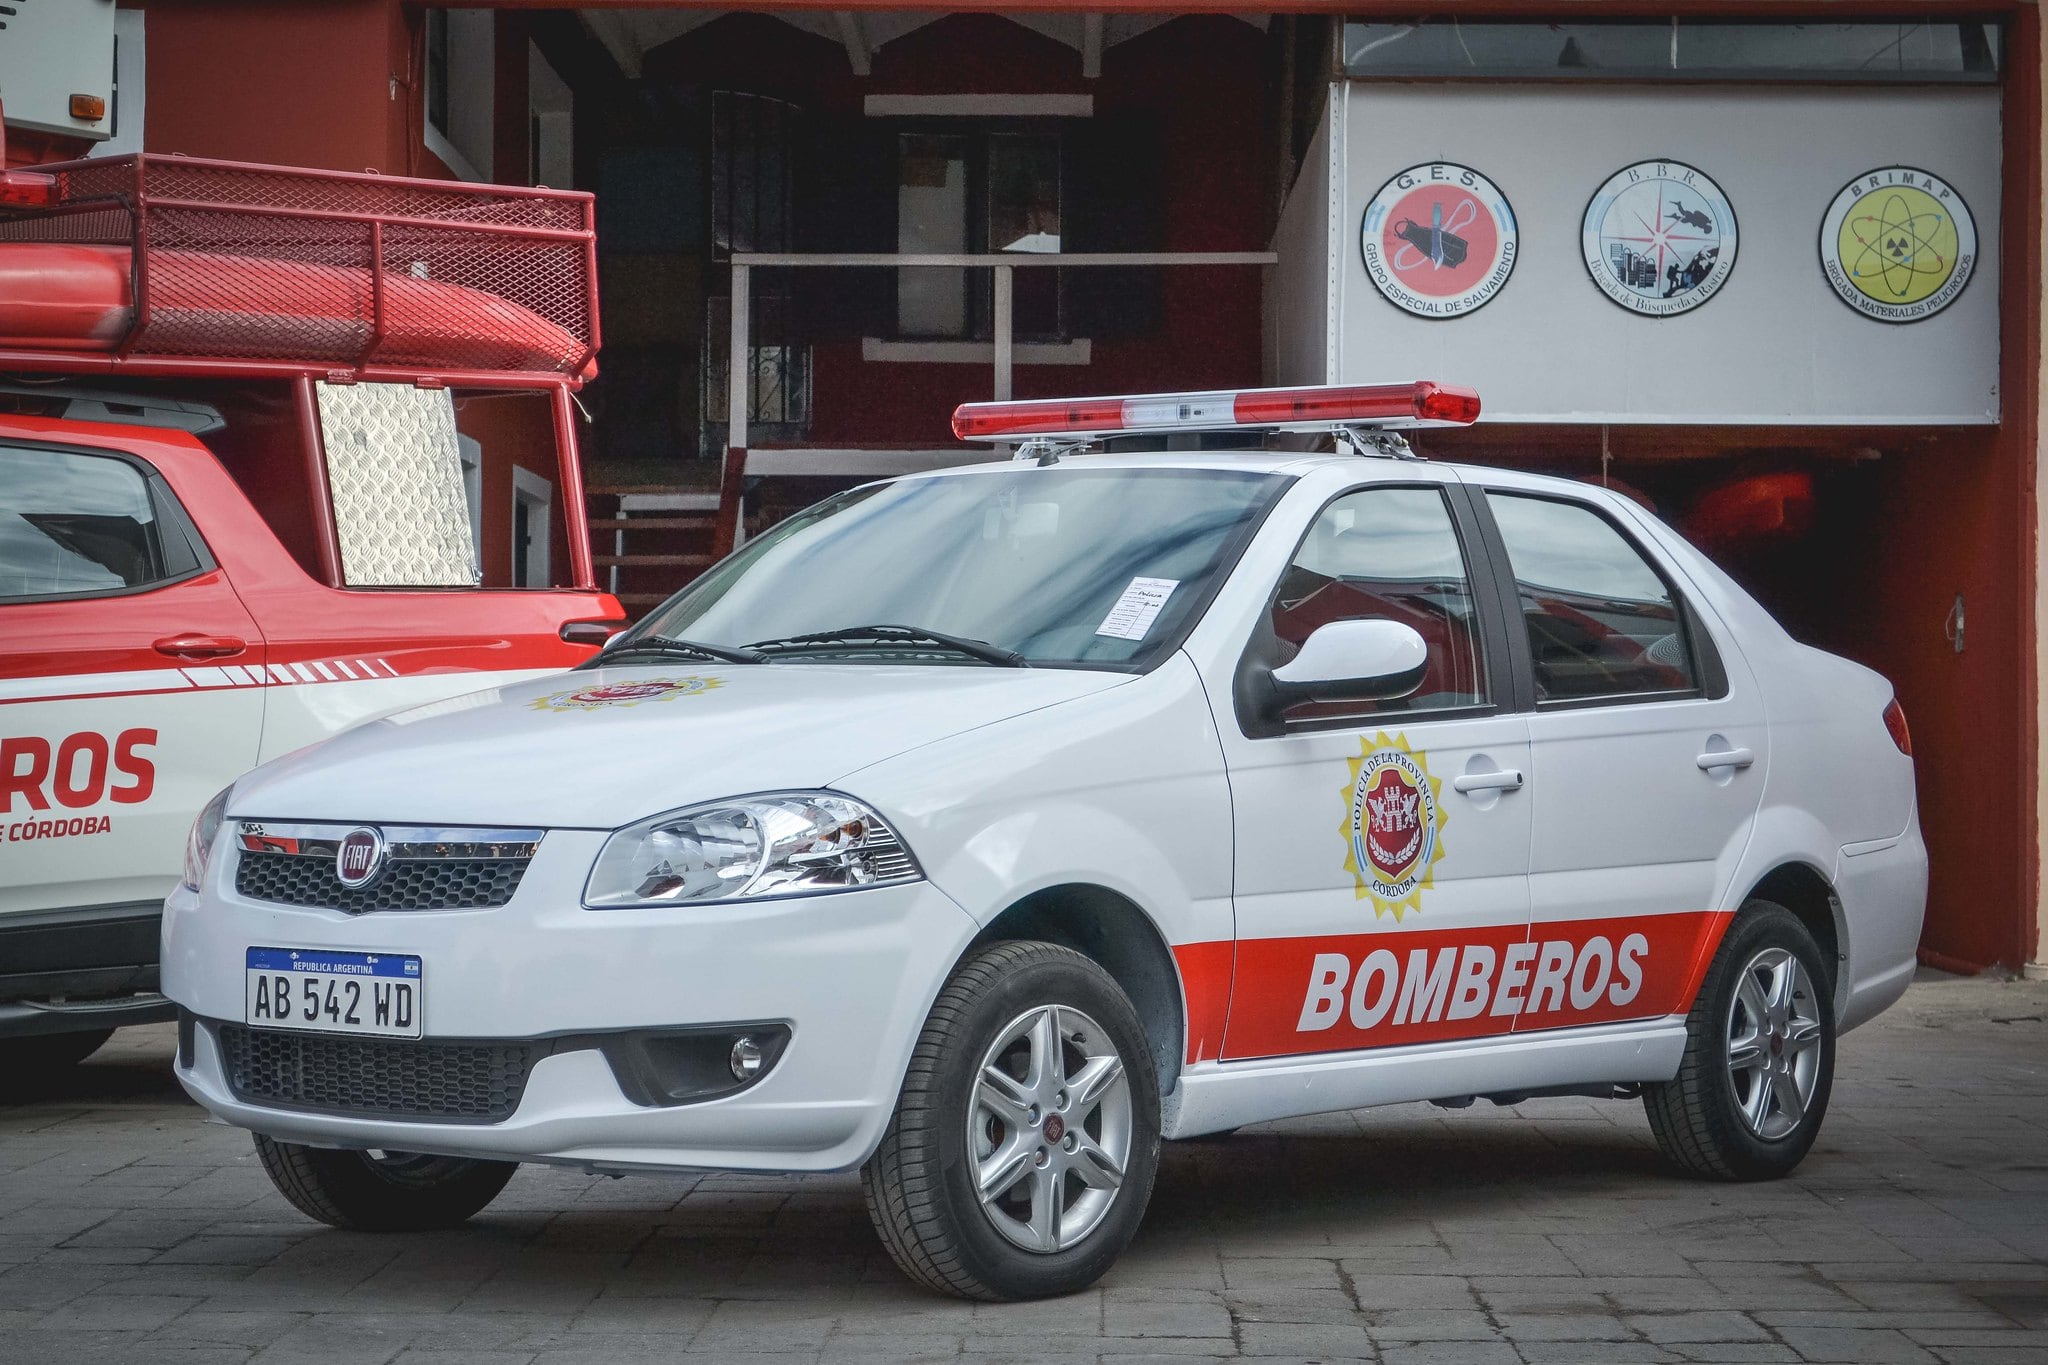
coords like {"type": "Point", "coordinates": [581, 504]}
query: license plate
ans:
{"type": "Point", "coordinates": [319, 991]}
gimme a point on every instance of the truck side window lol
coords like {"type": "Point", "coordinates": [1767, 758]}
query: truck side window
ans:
{"type": "Point", "coordinates": [1602, 621]}
{"type": "Point", "coordinates": [1390, 553]}
{"type": "Point", "coordinates": [77, 525]}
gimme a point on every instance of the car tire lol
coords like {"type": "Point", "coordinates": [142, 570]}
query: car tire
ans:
{"type": "Point", "coordinates": [381, 1191]}
{"type": "Point", "coordinates": [1068, 1151]}
{"type": "Point", "coordinates": [31, 1064]}
{"type": "Point", "coordinates": [1759, 1060]}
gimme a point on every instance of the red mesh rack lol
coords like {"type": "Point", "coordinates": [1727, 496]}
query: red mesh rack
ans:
{"type": "Point", "coordinates": [174, 264]}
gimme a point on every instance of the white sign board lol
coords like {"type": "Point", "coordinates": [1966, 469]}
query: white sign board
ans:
{"type": "Point", "coordinates": [1633, 297]}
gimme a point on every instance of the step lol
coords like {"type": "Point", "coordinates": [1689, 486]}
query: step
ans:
{"type": "Point", "coordinates": [629, 600]}
{"type": "Point", "coordinates": [647, 561]}
{"type": "Point", "coordinates": [705, 522]}
{"type": "Point", "coordinates": [625, 490]}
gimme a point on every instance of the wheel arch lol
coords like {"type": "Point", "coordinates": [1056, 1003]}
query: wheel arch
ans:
{"type": "Point", "coordinates": [1112, 931]}
{"type": "Point", "coordinates": [1807, 893]}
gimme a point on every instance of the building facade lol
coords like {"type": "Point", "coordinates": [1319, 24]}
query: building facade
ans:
{"type": "Point", "coordinates": [1776, 271]}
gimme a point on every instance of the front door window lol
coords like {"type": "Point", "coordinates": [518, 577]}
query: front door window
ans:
{"type": "Point", "coordinates": [1389, 554]}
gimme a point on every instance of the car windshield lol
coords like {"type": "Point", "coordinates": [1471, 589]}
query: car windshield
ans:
{"type": "Point", "coordinates": [1061, 566]}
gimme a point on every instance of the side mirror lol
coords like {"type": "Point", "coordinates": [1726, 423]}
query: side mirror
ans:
{"type": "Point", "coordinates": [598, 633]}
{"type": "Point", "coordinates": [1371, 660]}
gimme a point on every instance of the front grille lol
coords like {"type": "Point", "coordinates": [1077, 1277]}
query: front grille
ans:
{"type": "Point", "coordinates": [413, 867]}
{"type": "Point", "coordinates": [407, 884]}
{"type": "Point", "coordinates": [377, 1077]}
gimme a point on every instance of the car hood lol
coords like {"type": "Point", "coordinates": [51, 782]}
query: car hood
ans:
{"type": "Point", "coordinates": [600, 748]}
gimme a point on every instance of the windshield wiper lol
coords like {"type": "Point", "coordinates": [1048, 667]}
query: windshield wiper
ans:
{"type": "Point", "coordinates": [667, 647]}
{"type": "Point", "coordinates": [892, 636]}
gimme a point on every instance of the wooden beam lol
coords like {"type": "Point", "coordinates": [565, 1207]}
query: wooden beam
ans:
{"type": "Point", "coordinates": [855, 37]}
{"type": "Point", "coordinates": [614, 30]}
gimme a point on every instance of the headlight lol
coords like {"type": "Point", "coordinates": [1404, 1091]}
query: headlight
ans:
{"type": "Point", "coordinates": [778, 844]}
{"type": "Point", "coordinates": [199, 843]}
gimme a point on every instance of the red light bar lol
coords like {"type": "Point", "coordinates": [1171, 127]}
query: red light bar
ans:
{"type": "Point", "coordinates": [1380, 405]}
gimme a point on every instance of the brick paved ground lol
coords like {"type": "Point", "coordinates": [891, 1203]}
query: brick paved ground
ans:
{"type": "Point", "coordinates": [1917, 1231]}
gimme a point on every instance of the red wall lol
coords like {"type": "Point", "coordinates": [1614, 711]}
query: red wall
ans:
{"type": "Point", "coordinates": [334, 84]}
{"type": "Point", "coordinates": [306, 83]}
{"type": "Point", "coordinates": [1945, 524]}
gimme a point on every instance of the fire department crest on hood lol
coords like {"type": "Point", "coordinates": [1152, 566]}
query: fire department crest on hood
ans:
{"type": "Point", "coordinates": [1393, 824]}
{"type": "Point", "coordinates": [625, 693]}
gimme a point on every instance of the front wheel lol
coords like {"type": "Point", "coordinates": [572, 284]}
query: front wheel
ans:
{"type": "Point", "coordinates": [381, 1191]}
{"type": "Point", "coordinates": [1021, 1154]}
{"type": "Point", "coordinates": [1759, 1055]}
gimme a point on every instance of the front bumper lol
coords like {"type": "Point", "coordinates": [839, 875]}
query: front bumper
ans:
{"type": "Point", "coordinates": [852, 975]}
{"type": "Point", "coordinates": [80, 968]}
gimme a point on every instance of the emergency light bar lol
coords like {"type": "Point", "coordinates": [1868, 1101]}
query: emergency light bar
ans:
{"type": "Point", "coordinates": [1422, 403]}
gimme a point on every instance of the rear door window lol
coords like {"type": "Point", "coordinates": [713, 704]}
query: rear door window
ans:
{"type": "Point", "coordinates": [1603, 622]}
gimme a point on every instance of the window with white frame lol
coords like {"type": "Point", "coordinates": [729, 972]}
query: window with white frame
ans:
{"type": "Point", "coordinates": [472, 455]}
{"type": "Point", "coordinates": [460, 71]}
{"type": "Point", "coordinates": [970, 190]}
{"type": "Point", "coordinates": [532, 500]}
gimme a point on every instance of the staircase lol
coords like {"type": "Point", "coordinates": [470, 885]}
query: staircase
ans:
{"type": "Point", "coordinates": [648, 540]}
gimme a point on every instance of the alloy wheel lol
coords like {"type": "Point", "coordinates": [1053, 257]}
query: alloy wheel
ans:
{"type": "Point", "coordinates": [1774, 1044]}
{"type": "Point", "coordinates": [1049, 1126]}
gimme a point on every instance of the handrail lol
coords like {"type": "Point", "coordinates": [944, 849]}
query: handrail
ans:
{"type": "Point", "coordinates": [728, 530]}
{"type": "Point", "coordinates": [892, 260]}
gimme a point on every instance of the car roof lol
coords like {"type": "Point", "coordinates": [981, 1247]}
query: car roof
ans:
{"type": "Point", "coordinates": [1293, 463]}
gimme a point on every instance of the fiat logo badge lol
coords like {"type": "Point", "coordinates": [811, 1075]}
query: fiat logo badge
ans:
{"type": "Point", "coordinates": [359, 858]}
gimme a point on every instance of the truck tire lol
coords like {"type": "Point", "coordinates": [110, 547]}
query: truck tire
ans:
{"type": "Point", "coordinates": [29, 1065]}
{"type": "Point", "coordinates": [381, 1191]}
{"type": "Point", "coordinates": [1759, 1058]}
{"type": "Point", "coordinates": [1021, 1154]}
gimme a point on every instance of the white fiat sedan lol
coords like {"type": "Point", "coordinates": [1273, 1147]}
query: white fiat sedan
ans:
{"type": "Point", "coordinates": [980, 829]}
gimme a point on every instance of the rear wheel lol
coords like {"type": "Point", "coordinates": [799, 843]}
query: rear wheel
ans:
{"type": "Point", "coordinates": [381, 1191]}
{"type": "Point", "coordinates": [1022, 1151]}
{"type": "Point", "coordinates": [29, 1065]}
{"type": "Point", "coordinates": [1759, 1056]}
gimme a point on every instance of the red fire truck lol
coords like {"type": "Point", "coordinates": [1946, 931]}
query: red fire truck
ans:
{"type": "Point", "coordinates": [254, 423]}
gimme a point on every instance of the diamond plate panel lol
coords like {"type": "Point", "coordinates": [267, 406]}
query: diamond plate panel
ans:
{"type": "Point", "coordinates": [395, 471]}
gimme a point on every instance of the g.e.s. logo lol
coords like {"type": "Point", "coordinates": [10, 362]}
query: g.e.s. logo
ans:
{"type": "Point", "coordinates": [76, 772]}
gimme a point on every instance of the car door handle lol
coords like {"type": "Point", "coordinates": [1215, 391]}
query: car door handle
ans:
{"type": "Point", "coordinates": [195, 646]}
{"type": "Point", "coordinates": [1501, 780]}
{"type": "Point", "coordinates": [1725, 758]}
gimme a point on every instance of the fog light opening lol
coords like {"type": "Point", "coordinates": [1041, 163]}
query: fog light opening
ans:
{"type": "Point", "coordinates": [747, 1058]}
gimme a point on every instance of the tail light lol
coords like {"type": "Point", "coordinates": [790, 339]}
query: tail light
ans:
{"type": "Point", "coordinates": [28, 190]}
{"type": "Point", "coordinates": [1895, 722]}
{"type": "Point", "coordinates": [1400, 405]}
